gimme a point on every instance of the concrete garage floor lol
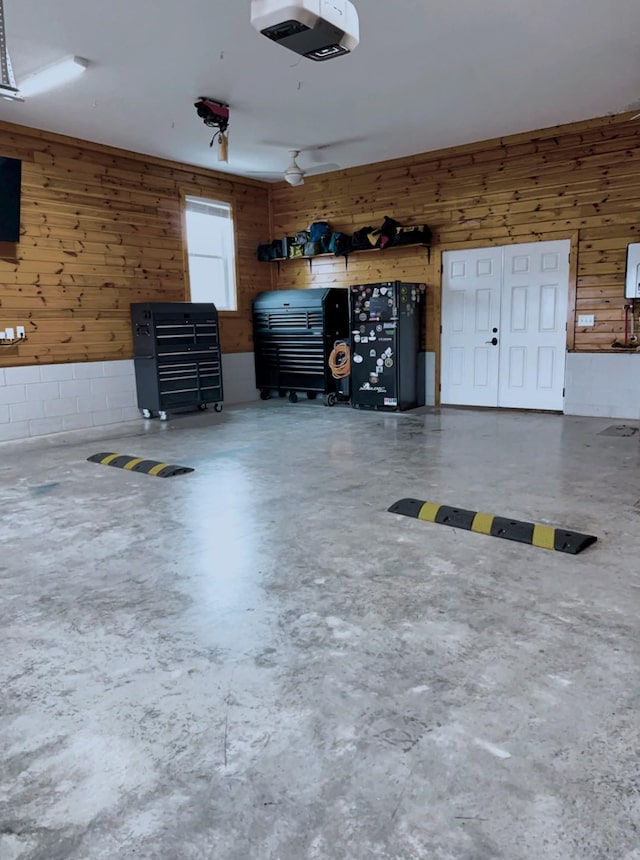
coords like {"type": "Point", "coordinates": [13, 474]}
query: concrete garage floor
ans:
{"type": "Point", "coordinates": [256, 660]}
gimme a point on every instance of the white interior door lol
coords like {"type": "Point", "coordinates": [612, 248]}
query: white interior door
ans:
{"type": "Point", "coordinates": [533, 339]}
{"type": "Point", "coordinates": [504, 313]}
{"type": "Point", "coordinates": [471, 297]}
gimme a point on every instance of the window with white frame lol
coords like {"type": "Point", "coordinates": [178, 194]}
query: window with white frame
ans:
{"type": "Point", "coordinates": [211, 252]}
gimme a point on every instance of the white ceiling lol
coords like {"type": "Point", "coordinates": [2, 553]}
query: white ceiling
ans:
{"type": "Point", "coordinates": [427, 74]}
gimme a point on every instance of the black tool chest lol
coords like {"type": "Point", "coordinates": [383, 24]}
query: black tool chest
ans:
{"type": "Point", "coordinates": [176, 356]}
{"type": "Point", "coordinates": [294, 333]}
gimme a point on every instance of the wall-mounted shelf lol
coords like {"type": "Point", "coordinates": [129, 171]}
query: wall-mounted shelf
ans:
{"type": "Point", "coordinates": [388, 250]}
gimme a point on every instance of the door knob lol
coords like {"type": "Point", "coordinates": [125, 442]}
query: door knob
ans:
{"type": "Point", "coordinates": [493, 341]}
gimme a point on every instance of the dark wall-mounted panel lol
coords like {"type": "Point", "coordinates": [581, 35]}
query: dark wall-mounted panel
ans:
{"type": "Point", "coordinates": [10, 187]}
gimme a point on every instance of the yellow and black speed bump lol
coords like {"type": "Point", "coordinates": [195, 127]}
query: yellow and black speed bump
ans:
{"type": "Point", "coordinates": [545, 537]}
{"type": "Point", "coordinates": [138, 464]}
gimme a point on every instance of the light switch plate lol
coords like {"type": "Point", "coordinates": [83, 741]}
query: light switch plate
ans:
{"type": "Point", "coordinates": [586, 320]}
{"type": "Point", "coordinates": [3, 335]}
{"type": "Point", "coordinates": [9, 333]}
{"type": "Point", "coordinates": [20, 331]}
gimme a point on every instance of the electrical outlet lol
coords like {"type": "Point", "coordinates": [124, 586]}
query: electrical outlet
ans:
{"type": "Point", "coordinates": [586, 320]}
{"type": "Point", "coordinates": [9, 334]}
{"type": "Point", "coordinates": [20, 332]}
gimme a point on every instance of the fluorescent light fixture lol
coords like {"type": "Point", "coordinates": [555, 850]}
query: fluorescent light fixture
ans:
{"type": "Point", "coordinates": [62, 72]}
{"type": "Point", "coordinates": [8, 89]}
{"type": "Point", "coordinates": [10, 94]}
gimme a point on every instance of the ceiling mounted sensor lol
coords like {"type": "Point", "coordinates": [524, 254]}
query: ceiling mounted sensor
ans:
{"type": "Point", "coordinates": [56, 75]}
{"type": "Point", "coordinates": [317, 29]}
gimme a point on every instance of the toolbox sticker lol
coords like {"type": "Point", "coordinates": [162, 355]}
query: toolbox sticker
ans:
{"type": "Point", "coordinates": [390, 401]}
{"type": "Point", "coordinates": [358, 359]}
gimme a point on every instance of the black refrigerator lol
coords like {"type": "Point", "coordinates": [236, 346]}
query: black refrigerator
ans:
{"type": "Point", "coordinates": [386, 330]}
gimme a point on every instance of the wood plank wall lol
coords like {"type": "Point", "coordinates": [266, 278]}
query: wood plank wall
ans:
{"type": "Point", "coordinates": [102, 228]}
{"type": "Point", "coordinates": [579, 181]}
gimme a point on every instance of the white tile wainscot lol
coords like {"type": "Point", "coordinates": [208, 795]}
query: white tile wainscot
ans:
{"type": "Point", "coordinates": [604, 385]}
{"type": "Point", "coordinates": [53, 398]}
{"type": "Point", "coordinates": [42, 399]}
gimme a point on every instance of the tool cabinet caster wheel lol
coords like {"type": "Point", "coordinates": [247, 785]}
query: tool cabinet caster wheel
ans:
{"type": "Point", "coordinates": [311, 395]}
{"type": "Point", "coordinates": [293, 397]}
{"type": "Point", "coordinates": [265, 394]}
{"type": "Point", "coordinates": [218, 407]}
{"type": "Point", "coordinates": [163, 416]}
{"type": "Point", "coordinates": [330, 400]}
{"type": "Point", "coordinates": [147, 413]}
{"type": "Point", "coordinates": [202, 407]}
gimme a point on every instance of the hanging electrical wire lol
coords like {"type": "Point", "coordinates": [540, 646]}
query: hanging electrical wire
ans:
{"type": "Point", "coordinates": [340, 360]}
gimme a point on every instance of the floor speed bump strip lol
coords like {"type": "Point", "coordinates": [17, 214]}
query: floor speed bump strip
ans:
{"type": "Point", "coordinates": [545, 537]}
{"type": "Point", "coordinates": [137, 464]}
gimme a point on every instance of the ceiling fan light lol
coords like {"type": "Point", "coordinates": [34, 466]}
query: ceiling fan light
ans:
{"type": "Point", "coordinates": [294, 177]}
{"type": "Point", "coordinates": [57, 74]}
{"type": "Point", "coordinates": [294, 174]}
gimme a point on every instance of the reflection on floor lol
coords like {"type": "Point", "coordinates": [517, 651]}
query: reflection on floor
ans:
{"type": "Point", "coordinates": [256, 660]}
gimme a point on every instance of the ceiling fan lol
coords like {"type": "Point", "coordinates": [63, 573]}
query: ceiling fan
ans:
{"type": "Point", "coordinates": [627, 108]}
{"type": "Point", "coordinates": [294, 174]}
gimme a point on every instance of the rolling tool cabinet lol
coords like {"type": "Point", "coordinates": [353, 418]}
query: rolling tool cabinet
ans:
{"type": "Point", "coordinates": [176, 356]}
{"type": "Point", "coordinates": [294, 333]}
